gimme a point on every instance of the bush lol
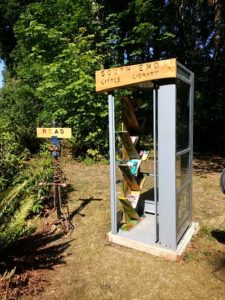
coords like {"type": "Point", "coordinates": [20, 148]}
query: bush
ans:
{"type": "Point", "coordinates": [22, 197]}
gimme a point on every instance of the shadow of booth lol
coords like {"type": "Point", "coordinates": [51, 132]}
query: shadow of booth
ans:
{"type": "Point", "coordinates": [219, 235]}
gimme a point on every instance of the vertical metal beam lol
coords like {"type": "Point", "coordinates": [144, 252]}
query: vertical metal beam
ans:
{"type": "Point", "coordinates": [111, 108]}
{"type": "Point", "coordinates": [191, 99]}
{"type": "Point", "coordinates": [155, 102]}
{"type": "Point", "coordinates": [166, 165]}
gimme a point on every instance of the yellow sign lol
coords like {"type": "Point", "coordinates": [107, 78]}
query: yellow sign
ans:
{"type": "Point", "coordinates": [109, 79]}
{"type": "Point", "coordinates": [62, 133]}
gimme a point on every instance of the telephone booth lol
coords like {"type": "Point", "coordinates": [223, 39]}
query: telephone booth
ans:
{"type": "Point", "coordinates": [151, 145]}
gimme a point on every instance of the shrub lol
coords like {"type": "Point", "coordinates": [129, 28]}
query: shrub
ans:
{"type": "Point", "coordinates": [22, 197]}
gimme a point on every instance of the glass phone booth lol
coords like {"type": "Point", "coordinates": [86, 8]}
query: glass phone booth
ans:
{"type": "Point", "coordinates": [151, 144]}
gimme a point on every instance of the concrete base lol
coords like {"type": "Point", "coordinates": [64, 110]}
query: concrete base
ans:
{"type": "Point", "coordinates": [156, 249]}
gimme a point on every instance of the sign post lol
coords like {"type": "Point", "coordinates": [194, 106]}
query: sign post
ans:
{"type": "Point", "coordinates": [55, 134]}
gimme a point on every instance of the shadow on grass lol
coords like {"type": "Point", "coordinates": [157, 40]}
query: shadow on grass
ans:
{"type": "Point", "coordinates": [219, 235]}
{"type": "Point", "coordinates": [84, 203]}
{"type": "Point", "coordinates": [29, 261]}
{"type": "Point", "coordinates": [208, 163]}
{"type": "Point", "coordinates": [219, 270]}
{"type": "Point", "coordinates": [38, 251]}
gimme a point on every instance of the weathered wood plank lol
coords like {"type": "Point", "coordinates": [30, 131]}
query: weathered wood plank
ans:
{"type": "Point", "coordinates": [128, 115]}
{"type": "Point", "coordinates": [113, 78]}
{"type": "Point", "coordinates": [128, 145]}
{"type": "Point", "coordinates": [129, 211]}
{"type": "Point", "coordinates": [131, 180]}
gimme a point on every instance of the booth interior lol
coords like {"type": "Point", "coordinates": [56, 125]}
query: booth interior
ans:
{"type": "Point", "coordinates": [150, 133]}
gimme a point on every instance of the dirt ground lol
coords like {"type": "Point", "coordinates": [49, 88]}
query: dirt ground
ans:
{"type": "Point", "coordinates": [86, 266]}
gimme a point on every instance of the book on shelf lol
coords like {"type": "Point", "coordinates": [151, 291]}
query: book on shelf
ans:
{"type": "Point", "coordinates": [134, 165]}
{"type": "Point", "coordinates": [133, 197]}
{"type": "Point", "coordinates": [144, 154]}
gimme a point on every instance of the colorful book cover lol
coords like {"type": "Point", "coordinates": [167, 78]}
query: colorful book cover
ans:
{"type": "Point", "coordinates": [134, 165]}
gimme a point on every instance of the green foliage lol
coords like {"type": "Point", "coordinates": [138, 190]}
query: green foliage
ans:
{"type": "Point", "coordinates": [9, 196]}
{"type": "Point", "coordinates": [12, 155]}
{"type": "Point", "coordinates": [52, 49]}
{"type": "Point", "coordinates": [13, 214]}
{"type": "Point", "coordinates": [10, 12]}
{"type": "Point", "coordinates": [19, 110]}
{"type": "Point", "coordinates": [23, 197]}
{"type": "Point", "coordinates": [55, 64]}
{"type": "Point", "coordinates": [69, 81]}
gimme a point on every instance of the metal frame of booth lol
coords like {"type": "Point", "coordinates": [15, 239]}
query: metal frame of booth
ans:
{"type": "Point", "coordinates": [170, 226]}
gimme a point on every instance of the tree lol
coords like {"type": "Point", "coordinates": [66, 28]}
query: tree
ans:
{"type": "Point", "coordinates": [54, 72]}
{"type": "Point", "coordinates": [10, 11]}
{"type": "Point", "coordinates": [53, 62]}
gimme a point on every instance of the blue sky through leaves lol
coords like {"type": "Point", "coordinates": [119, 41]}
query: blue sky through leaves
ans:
{"type": "Point", "coordinates": [1, 69]}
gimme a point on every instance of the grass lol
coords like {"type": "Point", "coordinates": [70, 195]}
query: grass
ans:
{"type": "Point", "coordinates": [97, 269]}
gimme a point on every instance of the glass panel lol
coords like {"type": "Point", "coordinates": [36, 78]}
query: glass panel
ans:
{"type": "Point", "coordinates": [183, 204]}
{"type": "Point", "coordinates": [182, 169]}
{"type": "Point", "coordinates": [183, 110]}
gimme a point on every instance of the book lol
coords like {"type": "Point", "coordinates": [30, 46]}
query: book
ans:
{"type": "Point", "coordinates": [134, 165]}
{"type": "Point", "coordinates": [144, 154]}
{"type": "Point", "coordinates": [133, 197]}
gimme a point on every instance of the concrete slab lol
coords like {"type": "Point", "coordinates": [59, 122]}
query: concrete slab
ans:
{"type": "Point", "coordinates": [143, 232]}
{"type": "Point", "coordinates": [156, 249]}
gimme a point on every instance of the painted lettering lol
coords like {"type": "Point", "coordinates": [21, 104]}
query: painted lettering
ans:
{"type": "Point", "coordinates": [115, 71]}
{"type": "Point", "coordinates": [148, 66]}
{"type": "Point", "coordinates": [110, 80]}
{"type": "Point", "coordinates": [156, 65]}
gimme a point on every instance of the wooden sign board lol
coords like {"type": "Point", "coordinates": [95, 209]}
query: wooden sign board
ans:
{"type": "Point", "coordinates": [62, 133]}
{"type": "Point", "coordinates": [110, 79]}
